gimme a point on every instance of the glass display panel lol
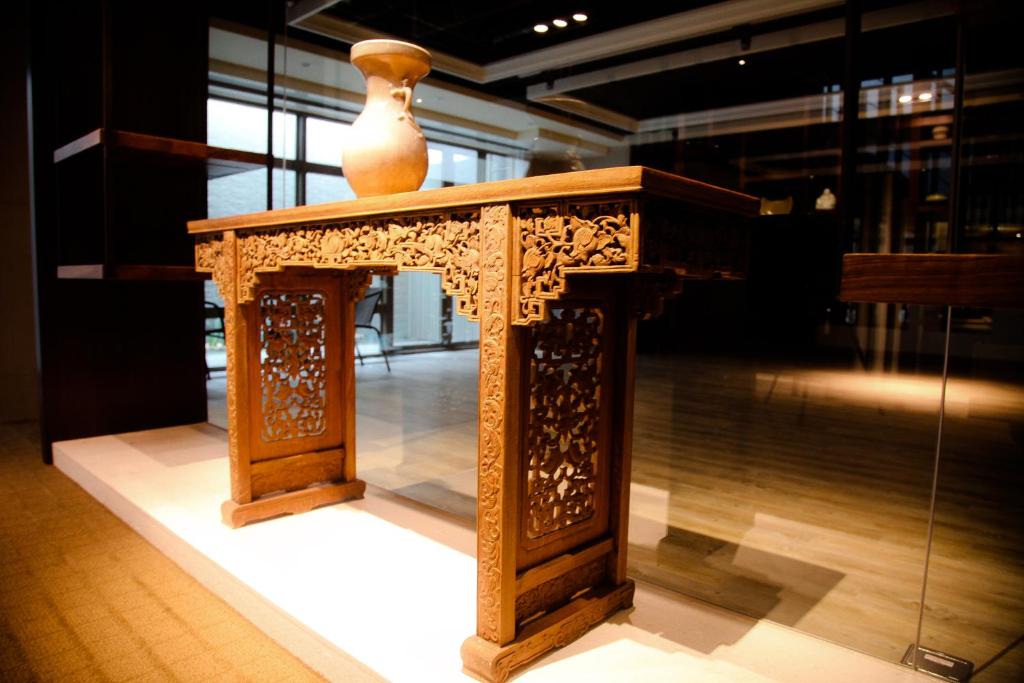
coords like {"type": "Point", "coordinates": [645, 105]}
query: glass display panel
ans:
{"type": "Point", "coordinates": [973, 603]}
{"type": "Point", "coordinates": [974, 606]}
{"type": "Point", "coordinates": [784, 440]}
{"type": "Point", "coordinates": [502, 167]}
{"type": "Point", "coordinates": [450, 165]}
{"type": "Point", "coordinates": [789, 482]}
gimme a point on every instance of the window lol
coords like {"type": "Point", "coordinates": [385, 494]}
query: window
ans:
{"type": "Point", "coordinates": [325, 141]}
{"type": "Point", "coordinates": [450, 165]}
{"type": "Point", "coordinates": [243, 126]}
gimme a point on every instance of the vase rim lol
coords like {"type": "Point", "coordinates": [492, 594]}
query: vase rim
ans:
{"type": "Point", "coordinates": [387, 46]}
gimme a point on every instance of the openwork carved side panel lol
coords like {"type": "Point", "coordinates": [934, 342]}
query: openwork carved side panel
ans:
{"type": "Point", "coordinates": [563, 426]}
{"type": "Point", "coordinates": [293, 364]}
{"type": "Point", "coordinates": [557, 238]}
{"type": "Point", "coordinates": [448, 244]}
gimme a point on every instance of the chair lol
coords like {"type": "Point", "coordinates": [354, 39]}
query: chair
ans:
{"type": "Point", "coordinates": [214, 323]}
{"type": "Point", "coordinates": [365, 310]}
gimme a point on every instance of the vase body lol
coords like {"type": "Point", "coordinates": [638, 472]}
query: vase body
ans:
{"type": "Point", "coordinates": [386, 151]}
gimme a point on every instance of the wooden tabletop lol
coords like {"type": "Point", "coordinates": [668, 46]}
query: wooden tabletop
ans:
{"type": "Point", "coordinates": [602, 181]}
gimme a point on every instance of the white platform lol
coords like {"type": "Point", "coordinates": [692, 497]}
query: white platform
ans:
{"type": "Point", "coordinates": [388, 586]}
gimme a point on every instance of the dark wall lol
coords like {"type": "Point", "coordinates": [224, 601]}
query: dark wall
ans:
{"type": "Point", "coordinates": [18, 377]}
{"type": "Point", "coordinates": [118, 355]}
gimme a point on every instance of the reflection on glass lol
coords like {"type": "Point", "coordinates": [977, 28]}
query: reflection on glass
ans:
{"type": "Point", "coordinates": [502, 167]}
{"type": "Point", "coordinates": [450, 165]}
{"type": "Point", "coordinates": [788, 486]}
{"type": "Point", "coordinates": [974, 606]}
{"type": "Point", "coordinates": [784, 441]}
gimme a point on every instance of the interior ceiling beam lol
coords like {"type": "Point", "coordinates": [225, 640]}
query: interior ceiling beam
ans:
{"type": "Point", "coordinates": [553, 93]}
{"type": "Point", "coordinates": [776, 40]}
{"type": "Point", "coordinates": [809, 110]}
{"type": "Point", "coordinates": [593, 112]}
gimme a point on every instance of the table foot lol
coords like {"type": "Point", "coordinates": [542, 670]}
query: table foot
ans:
{"type": "Point", "coordinates": [238, 514]}
{"type": "Point", "coordinates": [490, 662]}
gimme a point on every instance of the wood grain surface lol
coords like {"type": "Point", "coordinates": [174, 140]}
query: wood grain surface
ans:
{"type": "Point", "coordinates": [977, 280]}
{"type": "Point", "coordinates": [603, 181]}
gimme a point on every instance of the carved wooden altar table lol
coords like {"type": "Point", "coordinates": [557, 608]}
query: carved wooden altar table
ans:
{"type": "Point", "coordinates": [557, 269]}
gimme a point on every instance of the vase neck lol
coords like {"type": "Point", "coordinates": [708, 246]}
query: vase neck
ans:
{"type": "Point", "coordinates": [379, 88]}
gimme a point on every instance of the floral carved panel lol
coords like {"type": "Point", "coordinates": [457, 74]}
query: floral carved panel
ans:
{"type": "Point", "coordinates": [216, 255]}
{"type": "Point", "coordinates": [559, 238]}
{"type": "Point", "coordinates": [563, 423]}
{"type": "Point", "coordinates": [448, 244]}
{"type": "Point", "coordinates": [293, 364]}
{"type": "Point", "coordinates": [494, 341]}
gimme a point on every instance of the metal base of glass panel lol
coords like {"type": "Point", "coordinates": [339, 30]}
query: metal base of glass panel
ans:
{"type": "Point", "coordinates": [939, 664]}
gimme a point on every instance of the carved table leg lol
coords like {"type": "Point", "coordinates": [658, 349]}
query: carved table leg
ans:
{"type": "Point", "coordinates": [555, 418]}
{"type": "Point", "coordinates": [291, 396]}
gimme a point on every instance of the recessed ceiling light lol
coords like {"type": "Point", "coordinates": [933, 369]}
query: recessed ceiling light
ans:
{"type": "Point", "coordinates": [560, 23]}
{"type": "Point", "coordinates": [925, 96]}
{"type": "Point", "coordinates": [541, 28]}
{"type": "Point", "coordinates": [904, 99]}
{"type": "Point", "coordinates": [580, 17]}
{"type": "Point", "coordinates": [419, 100]}
{"type": "Point", "coordinates": [742, 62]}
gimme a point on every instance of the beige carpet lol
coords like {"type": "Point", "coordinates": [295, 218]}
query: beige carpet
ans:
{"type": "Point", "coordinates": [85, 598]}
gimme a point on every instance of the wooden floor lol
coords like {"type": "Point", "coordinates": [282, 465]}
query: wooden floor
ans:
{"type": "Point", "coordinates": [795, 494]}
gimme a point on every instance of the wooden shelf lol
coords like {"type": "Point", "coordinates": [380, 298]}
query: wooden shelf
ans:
{"type": "Point", "coordinates": [219, 161]}
{"type": "Point", "coordinates": [974, 280]}
{"type": "Point", "coordinates": [99, 271]}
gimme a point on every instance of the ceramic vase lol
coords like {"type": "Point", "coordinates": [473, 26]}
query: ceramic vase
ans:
{"type": "Point", "coordinates": [386, 151]}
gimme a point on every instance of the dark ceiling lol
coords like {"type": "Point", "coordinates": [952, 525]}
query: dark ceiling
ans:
{"type": "Point", "coordinates": [484, 32]}
{"type": "Point", "coordinates": [792, 72]}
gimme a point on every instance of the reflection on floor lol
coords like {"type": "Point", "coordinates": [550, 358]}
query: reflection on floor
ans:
{"type": "Point", "coordinates": [793, 494]}
{"type": "Point", "coordinates": [416, 428]}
